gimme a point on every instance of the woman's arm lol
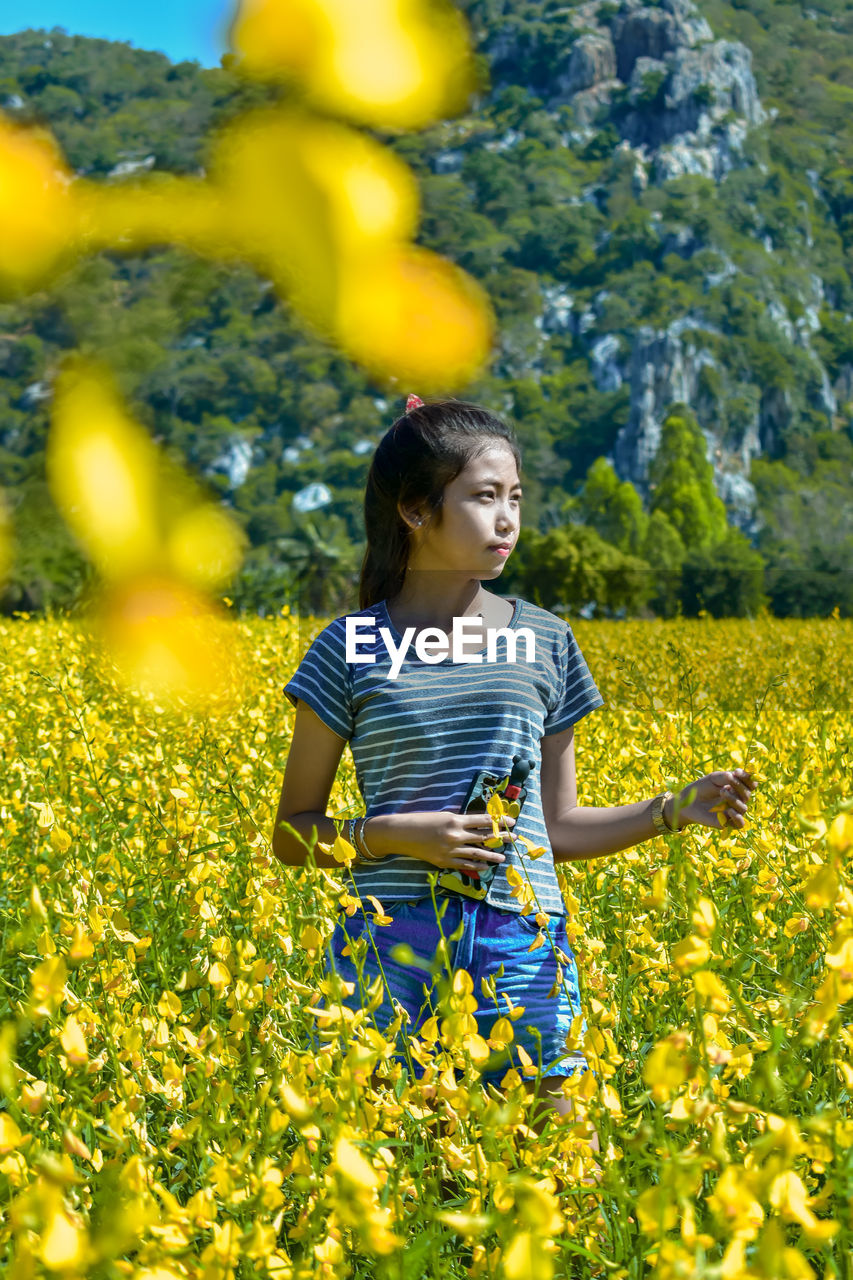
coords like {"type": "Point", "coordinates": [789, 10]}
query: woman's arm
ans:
{"type": "Point", "coordinates": [576, 833]}
{"type": "Point", "coordinates": [443, 839]}
{"type": "Point", "coordinates": [583, 832]}
{"type": "Point", "coordinates": [312, 763]}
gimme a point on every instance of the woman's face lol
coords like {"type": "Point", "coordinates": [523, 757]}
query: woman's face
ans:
{"type": "Point", "coordinates": [482, 508]}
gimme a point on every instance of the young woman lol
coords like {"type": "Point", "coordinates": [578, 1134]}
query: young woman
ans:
{"type": "Point", "coordinates": [443, 513]}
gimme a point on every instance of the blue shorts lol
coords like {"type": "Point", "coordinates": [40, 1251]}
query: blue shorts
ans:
{"type": "Point", "coordinates": [489, 943]}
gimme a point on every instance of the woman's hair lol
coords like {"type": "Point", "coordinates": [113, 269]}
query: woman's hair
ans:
{"type": "Point", "coordinates": [422, 452]}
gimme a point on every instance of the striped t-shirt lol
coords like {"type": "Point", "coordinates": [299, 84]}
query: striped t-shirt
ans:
{"type": "Point", "coordinates": [419, 740]}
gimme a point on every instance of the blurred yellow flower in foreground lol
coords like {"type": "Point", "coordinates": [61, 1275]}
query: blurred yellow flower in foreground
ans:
{"type": "Point", "coordinates": [402, 63]}
{"type": "Point", "coordinates": [102, 471]}
{"type": "Point", "coordinates": [10, 1135]}
{"type": "Point", "coordinates": [351, 1164]}
{"type": "Point", "coordinates": [323, 186]}
{"type": "Point", "coordinates": [410, 311]}
{"type": "Point", "coordinates": [36, 219]}
{"type": "Point", "coordinates": [656, 1213]}
{"type": "Point", "coordinates": [48, 986]}
{"type": "Point", "coordinates": [734, 1204]}
{"type": "Point", "coordinates": [789, 1197]}
{"type": "Point", "coordinates": [205, 546]}
{"type": "Point", "coordinates": [157, 544]}
{"type": "Point", "coordinates": [168, 639]}
{"type": "Point", "coordinates": [329, 215]}
{"type": "Point", "coordinates": [62, 1243]}
{"type": "Point", "coordinates": [707, 985]}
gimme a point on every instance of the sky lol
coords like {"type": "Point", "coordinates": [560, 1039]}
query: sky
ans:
{"type": "Point", "coordinates": [179, 28]}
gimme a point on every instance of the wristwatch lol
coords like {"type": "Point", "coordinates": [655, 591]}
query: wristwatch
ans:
{"type": "Point", "coordinates": [658, 819]}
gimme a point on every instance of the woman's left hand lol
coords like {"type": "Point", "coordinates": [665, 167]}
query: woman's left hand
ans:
{"type": "Point", "coordinates": [718, 800]}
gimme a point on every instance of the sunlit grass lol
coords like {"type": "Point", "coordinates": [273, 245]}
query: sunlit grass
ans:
{"type": "Point", "coordinates": [168, 1112]}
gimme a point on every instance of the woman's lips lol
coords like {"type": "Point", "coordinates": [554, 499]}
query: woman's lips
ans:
{"type": "Point", "coordinates": [501, 551]}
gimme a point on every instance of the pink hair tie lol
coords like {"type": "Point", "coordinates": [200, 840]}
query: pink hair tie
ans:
{"type": "Point", "coordinates": [413, 402]}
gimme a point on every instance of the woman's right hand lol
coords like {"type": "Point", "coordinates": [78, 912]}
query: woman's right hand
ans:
{"type": "Point", "coordinates": [447, 840]}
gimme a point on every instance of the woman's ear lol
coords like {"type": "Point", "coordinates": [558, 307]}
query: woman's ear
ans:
{"type": "Point", "coordinates": [411, 516]}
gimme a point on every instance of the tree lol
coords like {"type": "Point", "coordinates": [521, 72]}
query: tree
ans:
{"type": "Point", "coordinates": [323, 565]}
{"type": "Point", "coordinates": [726, 580]}
{"type": "Point", "coordinates": [571, 567]}
{"type": "Point", "coordinates": [613, 508]}
{"type": "Point", "coordinates": [681, 481]}
{"type": "Point", "coordinates": [664, 552]}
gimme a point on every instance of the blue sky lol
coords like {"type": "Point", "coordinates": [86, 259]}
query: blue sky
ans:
{"type": "Point", "coordinates": [179, 28]}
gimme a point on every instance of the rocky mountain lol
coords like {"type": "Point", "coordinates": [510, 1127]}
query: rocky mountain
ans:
{"type": "Point", "coordinates": [657, 199]}
{"type": "Point", "coordinates": [675, 102]}
{"type": "Point", "coordinates": [681, 99]}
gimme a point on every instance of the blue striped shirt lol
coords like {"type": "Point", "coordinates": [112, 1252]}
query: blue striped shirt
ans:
{"type": "Point", "coordinates": [419, 740]}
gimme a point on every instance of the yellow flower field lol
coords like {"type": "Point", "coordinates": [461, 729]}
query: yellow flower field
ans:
{"type": "Point", "coordinates": [166, 1110]}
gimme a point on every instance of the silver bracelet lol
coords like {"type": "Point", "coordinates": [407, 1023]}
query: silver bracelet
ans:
{"type": "Point", "coordinates": [362, 843]}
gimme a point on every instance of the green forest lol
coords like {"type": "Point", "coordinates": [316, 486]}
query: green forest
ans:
{"type": "Point", "coordinates": [669, 259]}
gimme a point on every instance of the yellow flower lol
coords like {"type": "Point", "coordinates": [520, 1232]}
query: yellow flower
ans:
{"type": "Point", "coordinates": [352, 1165]}
{"type": "Point", "coordinates": [501, 1034]}
{"type": "Point", "coordinates": [44, 818]}
{"type": "Point", "coordinates": [476, 1047]}
{"type": "Point", "coordinates": [526, 1258]}
{"type": "Point", "coordinates": [690, 953]}
{"type": "Point", "coordinates": [788, 1195]}
{"type": "Point", "coordinates": [342, 851]}
{"type": "Point", "coordinates": [219, 976]}
{"type": "Point", "coordinates": [403, 63]}
{"type": "Point", "coordinates": [821, 889]}
{"type": "Point", "coordinates": [733, 1204]}
{"type": "Point", "coordinates": [842, 958]}
{"type": "Point", "coordinates": [840, 835]}
{"type": "Point", "coordinates": [708, 986]}
{"type": "Point", "coordinates": [381, 916]}
{"type": "Point", "coordinates": [62, 1245]}
{"type": "Point", "coordinates": [466, 1224]}
{"type": "Point", "coordinates": [74, 1042]}
{"type": "Point", "coordinates": [666, 1068]}
{"type": "Point", "coordinates": [658, 895]}
{"type": "Point", "coordinates": [656, 1214]}
{"type": "Point", "coordinates": [37, 221]}
{"type": "Point", "coordinates": [776, 1258]}
{"type": "Point", "coordinates": [60, 840]}
{"type": "Point", "coordinates": [443, 341]}
{"type": "Point", "coordinates": [48, 983]}
{"type": "Point", "coordinates": [704, 917]}
{"type": "Point", "coordinates": [10, 1135]}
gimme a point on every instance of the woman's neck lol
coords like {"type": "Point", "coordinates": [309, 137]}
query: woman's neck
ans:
{"type": "Point", "coordinates": [431, 599]}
